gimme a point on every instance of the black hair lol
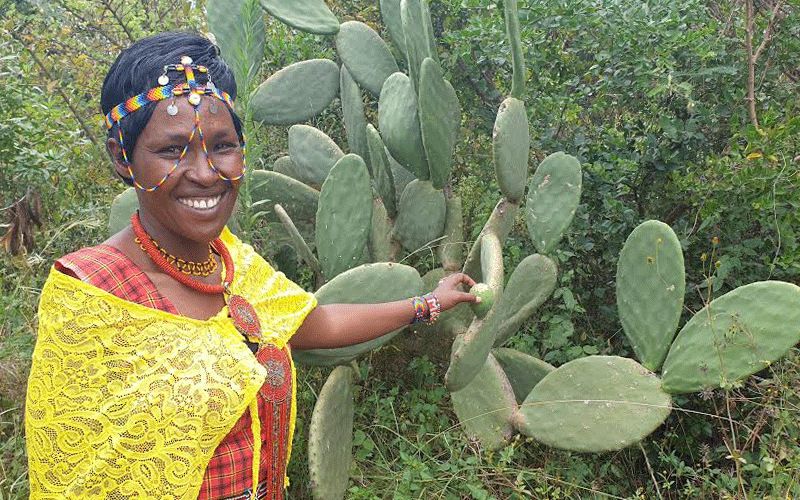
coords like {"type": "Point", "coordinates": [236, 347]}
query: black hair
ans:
{"type": "Point", "coordinates": [138, 67]}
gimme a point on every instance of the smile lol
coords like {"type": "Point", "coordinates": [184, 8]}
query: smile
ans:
{"type": "Point", "coordinates": [201, 203]}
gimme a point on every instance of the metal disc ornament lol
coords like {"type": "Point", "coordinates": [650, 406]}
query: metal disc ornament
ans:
{"type": "Point", "coordinates": [244, 317]}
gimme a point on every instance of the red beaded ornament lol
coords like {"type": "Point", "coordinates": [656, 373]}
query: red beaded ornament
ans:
{"type": "Point", "coordinates": [242, 313]}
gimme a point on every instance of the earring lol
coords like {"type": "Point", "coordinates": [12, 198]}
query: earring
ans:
{"type": "Point", "coordinates": [172, 109]}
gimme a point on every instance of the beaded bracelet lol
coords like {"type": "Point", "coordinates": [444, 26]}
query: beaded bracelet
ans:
{"type": "Point", "coordinates": [418, 303]}
{"type": "Point", "coordinates": [434, 308]}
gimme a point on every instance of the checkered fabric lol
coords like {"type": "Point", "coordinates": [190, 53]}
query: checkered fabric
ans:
{"type": "Point", "coordinates": [228, 475]}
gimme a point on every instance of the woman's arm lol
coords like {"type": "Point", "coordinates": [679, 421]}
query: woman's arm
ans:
{"type": "Point", "coordinates": [340, 325]}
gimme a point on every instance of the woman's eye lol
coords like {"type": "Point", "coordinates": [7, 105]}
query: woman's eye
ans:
{"type": "Point", "coordinates": [224, 146]}
{"type": "Point", "coordinates": [172, 150]}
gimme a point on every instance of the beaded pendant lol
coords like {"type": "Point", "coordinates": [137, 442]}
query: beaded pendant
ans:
{"type": "Point", "coordinates": [244, 317]}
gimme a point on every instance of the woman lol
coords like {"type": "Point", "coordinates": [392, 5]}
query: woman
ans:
{"type": "Point", "coordinates": [164, 353]}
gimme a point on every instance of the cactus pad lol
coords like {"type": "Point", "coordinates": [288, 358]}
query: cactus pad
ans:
{"type": "Point", "coordinates": [515, 41]}
{"type": "Point", "coordinates": [470, 355]}
{"type": "Point", "coordinates": [553, 196]}
{"type": "Point", "coordinates": [531, 283]}
{"type": "Point", "coordinates": [451, 249]}
{"type": "Point", "coordinates": [650, 289]}
{"type": "Point", "coordinates": [440, 121]}
{"type": "Point", "coordinates": [313, 152]}
{"type": "Point", "coordinates": [511, 143]}
{"type": "Point", "coordinates": [330, 436]}
{"type": "Point", "coordinates": [379, 244]}
{"type": "Point", "coordinates": [500, 223]}
{"type": "Point", "coordinates": [355, 121]}
{"type": "Point", "coordinates": [390, 14]}
{"type": "Point", "coordinates": [523, 371]}
{"type": "Point", "coordinates": [365, 55]}
{"type": "Point", "coordinates": [398, 121]}
{"type": "Point", "coordinates": [296, 93]}
{"type": "Point", "coordinates": [421, 216]}
{"type": "Point", "coordinates": [736, 335]}
{"type": "Point", "coordinates": [122, 208]}
{"type": "Point", "coordinates": [299, 201]}
{"type": "Point", "coordinates": [416, 25]}
{"type": "Point", "coordinates": [311, 16]}
{"type": "Point", "coordinates": [485, 406]}
{"type": "Point", "coordinates": [366, 284]}
{"type": "Point", "coordinates": [381, 170]}
{"type": "Point", "coordinates": [344, 216]}
{"type": "Point", "coordinates": [240, 32]}
{"type": "Point", "coordinates": [594, 404]}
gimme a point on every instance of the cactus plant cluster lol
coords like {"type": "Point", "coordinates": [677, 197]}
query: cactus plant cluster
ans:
{"type": "Point", "coordinates": [389, 195]}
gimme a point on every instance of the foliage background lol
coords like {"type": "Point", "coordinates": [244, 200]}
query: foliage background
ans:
{"type": "Point", "coordinates": [649, 95]}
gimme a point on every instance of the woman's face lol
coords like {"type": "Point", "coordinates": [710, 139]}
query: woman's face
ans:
{"type": "Point", "coordinates": [194, 203]}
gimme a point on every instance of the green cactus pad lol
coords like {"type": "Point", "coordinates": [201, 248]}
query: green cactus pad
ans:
{"type": "Point", "coordinates": [421, 216]}
{"type": "Point", "coordinates": [500, 223]}
{"type": "Point", "coordinates": [511, 143]}
{"type": "Point", "coordinates": [298, 242]}
{"type": "Point", "coordinates": [365, 55]}
{"type": "Point", "coordinates": [402, 176]}
{"type": "Point", "coordinates": [379, 244]}
{"type": "Point", "coordinates": [523, 371]}
{"type": "Point", "coordinates": [416, 25]}
{"type": "Point", "coordinates": [531, 283]}
{"type": "Point", "coordinates": [515, 41]}
{"type": "Point", "coordinates": [650, 289]}
{"type": "Point", "coordinates": [492, 272]}
{"type": "Point", "coordinates": [311, 16]}
{"type": "Point", "coordinates": [355, 121]}
{"type": "Point", "coordinates": [398, 121]}
{"type": "Point", "coordinates": [594, 404]}
{"type": "Point", "coordinates": [736, 335]}
{"type": "Point", "coordinates": [240, 33]}
{"type": "Point", "coordinates": [122, 208]}
{"type": "Point", "coordinates": [330, 436]}
{"type": "Point", "coordinates": [366, 284]}
{"type": "Point", "coordinates": [268, 188]}
{"type": "Point", "coordinates": [468, 359]}
{"type": "Point", "coordinates": [451, 249]}
{"type": "Point", "coordinates": [390, 14]}
{"type": "Point", "coordinates": [284, 165]}
{"type": "Point", "coordinates": [381, 170]}
{"type": "Point", "coordinates": [440, 120]}
{"type": "Point", "coordinates": [344, 216]}
{"type": "Point", "coordinates": [485, 406]}
{"type": "Point", "coordinates": [313, 152]}
{"type": "Point", "coordinates": [553, 197]}
{"type": "Point", "coordinates": [296, 93]}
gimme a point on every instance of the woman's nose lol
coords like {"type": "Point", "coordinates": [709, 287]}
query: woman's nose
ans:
{"type": "Point", "coordinates": [199, 166]}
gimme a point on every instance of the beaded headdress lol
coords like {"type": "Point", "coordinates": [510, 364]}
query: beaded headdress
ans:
{"type": "Point", "coordinates": [193, 92]}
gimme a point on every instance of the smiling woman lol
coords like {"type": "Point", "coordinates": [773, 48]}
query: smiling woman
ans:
{"type": "Point", "coordinates": [163, 365]}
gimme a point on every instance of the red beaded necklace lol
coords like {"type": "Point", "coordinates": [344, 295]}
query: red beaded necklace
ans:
{"type": "Point", "coordinates": [240, 310]}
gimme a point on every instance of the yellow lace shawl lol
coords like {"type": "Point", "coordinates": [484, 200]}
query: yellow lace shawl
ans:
{"type": "Point", "coordinates": [125, 401]}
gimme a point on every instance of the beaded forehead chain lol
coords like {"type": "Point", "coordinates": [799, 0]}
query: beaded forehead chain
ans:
{"type": "Point", "coordinates": [193, 92]}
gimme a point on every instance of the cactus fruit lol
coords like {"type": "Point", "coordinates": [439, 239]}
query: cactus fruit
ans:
{"type": "Point", "coordinates": [344, 216]}
{"type": "Point", "coordinates": [580, 406]}
{"type": "Point", "coordinates": [734, 336]}
{"type": "Point", "coordinates": [511, 142]}
{"type": "Point", "coordinates": [440, 121]}
{"type": "Point", "coordinates": [122, 208]}
{"type": "Point", "coordinates": [366, 284]}
{"type": "Point", "coordinates": [650, 289]}
{"type": "Point", "coordinates": [485, 406]}
{"type": "Point", "coordinates": [365, 55]}
{"type": "Point", "coordinates": [553, 196]}
{"type": "Point", "coordinates": [486, 294]}
{"type": "Point", "coordinates": [522, 370]}
{"type": "Point", "coordinates": [330, 436]}
{"type": "Point", "coordinates": [296, 93]}
{"type": "Point", "coordinates": [421, 215]}
{"type": "Point", "coordinates": [398, 121]}
{"type": "Point", "coordinates": [311, 16]}
{"type": "Point", "coordinates": [299, 200]}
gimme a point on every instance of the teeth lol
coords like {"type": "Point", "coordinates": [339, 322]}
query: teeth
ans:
{"type": "Point", "coordinates": [201, 203]}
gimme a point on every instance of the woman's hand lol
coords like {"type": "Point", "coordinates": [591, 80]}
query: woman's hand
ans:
{"type": "Point", "coordinates": [449, 291]}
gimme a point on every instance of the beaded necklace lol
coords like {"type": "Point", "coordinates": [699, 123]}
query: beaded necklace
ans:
{"type": "Point", "coordinates": [241, 312]}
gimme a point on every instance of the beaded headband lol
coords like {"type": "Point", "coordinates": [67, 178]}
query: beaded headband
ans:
{"type": "Point", "coordinates": [194, 93]}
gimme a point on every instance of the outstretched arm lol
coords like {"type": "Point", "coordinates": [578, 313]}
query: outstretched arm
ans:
{"type": "Point", "coordinates": [340, 325]}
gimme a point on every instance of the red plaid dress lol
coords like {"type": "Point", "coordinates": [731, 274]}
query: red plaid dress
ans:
{"type": "Point", "coordinates": [228, 474]}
